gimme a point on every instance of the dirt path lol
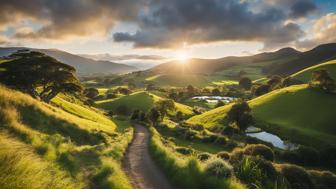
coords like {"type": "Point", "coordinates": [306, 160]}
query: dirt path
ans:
{"type": "Point", "coordinates": [139, 166]}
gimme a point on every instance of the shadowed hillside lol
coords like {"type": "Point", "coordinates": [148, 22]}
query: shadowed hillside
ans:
{"type": "Point", "coordinates": [84, 66]}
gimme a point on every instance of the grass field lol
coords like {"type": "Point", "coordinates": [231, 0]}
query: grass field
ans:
{"type": "Point", "coordinates": [298, 113]}
{"type": "Point", "coordinates": [139, 100]}
{"type": "Point", "coordinates": [53, 147]}
{"type": "Point", "coordinates": [305, 75]}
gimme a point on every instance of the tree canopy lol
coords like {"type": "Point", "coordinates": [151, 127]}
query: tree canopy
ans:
{"type": "Point", "coordinates": [322, 79]}
{"type": "Point", "coordinates": [39, 75]}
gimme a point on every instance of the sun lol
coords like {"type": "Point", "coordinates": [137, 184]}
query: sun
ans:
{"type": "Point", "coordinates": [182, 56]}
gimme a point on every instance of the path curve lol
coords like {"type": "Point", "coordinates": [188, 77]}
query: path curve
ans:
{"type": "Point", "coordinates": [139, 166]}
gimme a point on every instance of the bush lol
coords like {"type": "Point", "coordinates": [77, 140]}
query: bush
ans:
{"type": "Point", "coordinates": [204, 156]}
{"type": "Point", "coordinates": [259, 150]}
{"type": "Point", "coordinates": [308, 155]}
{"type": "Point", "coordinates": [289, 156]}
{"type": "Point", "coordinates": [329, 156]}
{"type": "Point", "coordinates": [184, 150]}
{"type": "Point", "coordinates": [223, 155]}
{"type": "Point", "coordinates": [221, 140]}
{"type": "Point", "coordinates": [297, 177]}
{"type": "Point", "coordinates": [323, 179]}
{"type": "Point", "coordinates": [218, 168]}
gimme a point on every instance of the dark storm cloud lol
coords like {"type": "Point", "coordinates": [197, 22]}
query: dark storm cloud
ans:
{"type": "Point", "coordinates": [161, 23]}
{"type": "Point", "coordinates": [302, 8]}
{"type": "Point", "coordinates": [165, 23]}
{"type": "Point", "coordinates": [61, 18]}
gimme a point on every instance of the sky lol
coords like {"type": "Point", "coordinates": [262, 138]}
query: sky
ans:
{"type": "Point", "coordinates": [167, 28]}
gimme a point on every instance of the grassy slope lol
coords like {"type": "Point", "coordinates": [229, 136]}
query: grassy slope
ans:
{"type": "Point", "coordinates": [86, 150]}
{"type": "Point", "coordinates": [139, 100]}
{"type": "Point", "coordinates": [305, 75]}
{"type": "Point", "coordinates": [296, 112]}
{"type": "Point", "coordinates": [178, 80]}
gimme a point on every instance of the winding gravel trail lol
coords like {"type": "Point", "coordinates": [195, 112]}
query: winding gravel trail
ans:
{"type": "Point", "coordinates": [140, 167]}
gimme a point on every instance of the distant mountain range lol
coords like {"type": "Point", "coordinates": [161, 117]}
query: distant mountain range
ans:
{"type": "Point", "coordinates": [84, 66]}
{"type": "Point", "coordinates": [142, 62]}
{"type": "Point", "coordinates": [283, 62]}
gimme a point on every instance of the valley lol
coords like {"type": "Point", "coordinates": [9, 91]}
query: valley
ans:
{"type": "Point", "coordinates": [224, 123]}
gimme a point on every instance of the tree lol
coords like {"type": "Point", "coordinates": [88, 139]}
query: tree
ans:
{"type": "Point", "coordinates": [216, 92]}
{"type": "Point", "coordinates": [91, 92]}
{"type": "Point", "coordinates": [190, 90]}
{"type": "Point", "coordinates": [172, 95]}
{"type": "Point", "coordinates": [39, 75]}
{"type": "Point", "coordinates": [261, 90]}
{"type": "Point", "coordinates": [245, 83]}
{"type": "Point", "coordinates": [240, 114]}
{"type": "Point", "coordinates": [124, 91]}
{"type": "Point", "coordinates": [322, 79]}
{"type": "Point", "coordinates": [219, 104]}
{"type": "Point", "coordinates": [154, 116]}
{"type": "Point", "coordinates": [150, 87]}
{"type": "Point", "coordinates": [164, 106]}
{"type": "Point", "coordinates": [275, 82]}
{"type": "Point", "coordinates": [135, 115]}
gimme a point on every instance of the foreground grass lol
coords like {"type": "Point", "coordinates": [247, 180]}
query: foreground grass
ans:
{"type": "Point", "coordinates": [22, 168]}
{"type": "Point", "coordinates": [185, 173]}
{"type": "Point", "coordinates": [84, 152]}
{"type": "Point", "coordinates": [298, 113]}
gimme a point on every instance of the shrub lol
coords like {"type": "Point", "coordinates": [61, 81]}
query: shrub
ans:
{"type": "Point", "coordinates": [329, 156]}
{"type": "Point", "coordinates": [184, 150]}
{"type": "Point", "coordinates": [308, 155]}
{"type": "Point", "coordinates": [259, 150]}
{"type": "Point", "coordinates": [289, 156]}
{"type": "Point", "coordinates": [323, 179]}
{"type": "Point", "coordinates": [297, 177]}
{"type": "Point", "coordinates": [223, 155]}
{"type": "Point", "coordinates": [257, 172]}
{"type": "Point", "coordinates": [197, 127]}
{"type": "Point", "coordinates": [204, 156]}
{"type": "Point", "coordinates": [218, 168]}
{"type": "Point", "coordinates": [221, 140]}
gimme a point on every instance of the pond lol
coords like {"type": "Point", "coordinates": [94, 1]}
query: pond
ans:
{"type": "Point", "coordinates": [271, 138]}
{"type": "Point", "coordinates": [214, 99]}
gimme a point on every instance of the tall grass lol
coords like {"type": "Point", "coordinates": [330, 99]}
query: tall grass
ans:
{"type": "Point", "coordinates": [21, 168]}
{"type": "Point", "coordinates": [83, 152]}
{"type": "Point", "coordinates": [185, 173]}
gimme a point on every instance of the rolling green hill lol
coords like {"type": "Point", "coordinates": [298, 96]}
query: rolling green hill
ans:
{"type": "Point", "coordinates": [202, 72]}
{"type": "Point", "coordinates": [69, 146]}
{"type": "Point", "coordinates": [140, 100]}
{"type": "Point", "coordinates": [305, 75]}
{"type": "Point", "coordinates": [298, 113]}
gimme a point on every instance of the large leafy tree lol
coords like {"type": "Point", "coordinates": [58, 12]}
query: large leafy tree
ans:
{"type": "Point", "coordinates": [322, 79]}
{"type": "Point", "coordinates": [39, 75]}
{"type": "Point", "coordinates": [240, 114]}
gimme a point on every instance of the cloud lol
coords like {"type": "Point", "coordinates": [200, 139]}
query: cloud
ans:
{"type": "Point", "coordinates": [64, 18]}
{"type": "Point", "coordinates": [302, 8]}
{"type": "Point", "coordinates": [160, 23]}
{"type": "Point", "coordinates": [323, 31]}
{"type": "Point", "coordinates": [166, 24]}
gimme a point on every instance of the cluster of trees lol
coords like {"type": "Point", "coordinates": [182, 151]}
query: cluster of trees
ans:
{"type": "Point", "coordinates": [157, 113]}
{"type": "Point", "coordinates": [322, 79]}
{"type": "Point", "coordinates": [39, 75]}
